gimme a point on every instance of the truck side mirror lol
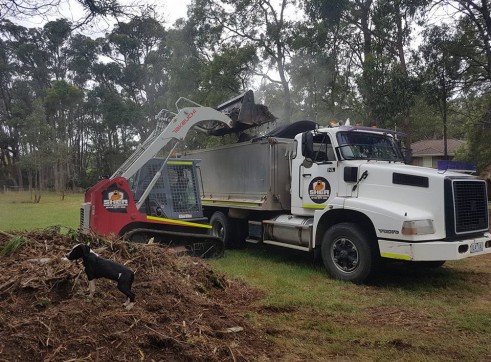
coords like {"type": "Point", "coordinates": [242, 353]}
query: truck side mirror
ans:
{"type": "Point", "coordinates": [308, 145]}
{"type": "Point", "coordinates": [307, 162]}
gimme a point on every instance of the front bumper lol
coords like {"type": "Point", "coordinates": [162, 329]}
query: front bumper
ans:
{"type": "Point", "coordinates": [435, 250]}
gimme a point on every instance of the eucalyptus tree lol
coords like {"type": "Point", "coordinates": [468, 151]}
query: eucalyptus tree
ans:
{"type": "Point", "coordinates": [38, 67]}
{"type": "Point", "coordinates": [127, 72]}
{"type": "Point", "coordinates": [24, 76]}
{"type": "Point", "coordinates": [86, 12]}
{"type": "Point", "coordinates": [185, 62]}
{"type": "Point", "coordinates": [322, 66]}
{"type": "Point", "coordinates": [368, 43]}
{"type": "Point", "coordinates": [472, 36]}
{"type": "Point", "coordinates": [110, 120]}
{"type": "Point", "coordinates": [473, 20]}
{"type": "Point", "coordinates": [344, 32]}
{"type": "Point", "coordinates": [28, 58]}
{"type": "Point", "coordinates": [9, 130]}
{"type": "Point", "coordinates": [63, 105]}
{"type": "Point", "coordinates": [264, 24]}
{"type": "Point", "coordinates": [394, 21]}
{"type": "Point", "coordinates": [227, 73]}
{"type": "Point", "coordinates": [442, 71]}
{"type": "Point", "coordinates": [137, 49]}
{"type": "Point", "coordinates": [205, 76]}
{"type": "Point", "coordinates": [55, 35]}
{"type": "Point", "coordinates": [83, 53]}
{"type": "Point", "coordinates": [477, 121]}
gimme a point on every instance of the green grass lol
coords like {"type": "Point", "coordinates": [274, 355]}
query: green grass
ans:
{"type": "Point", "coordinates": [12, 245]}
{"type": "Point", "coordinates": [402, 315]}
{"type": "Point", "coordinates": [18, 212]}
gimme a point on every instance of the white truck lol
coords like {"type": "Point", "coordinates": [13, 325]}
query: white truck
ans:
{"type": "Point", "coordinates": [345, 193]}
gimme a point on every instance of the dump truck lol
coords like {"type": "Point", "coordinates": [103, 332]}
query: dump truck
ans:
{"type": "Point", "coordinates": [159, 200]}
{"type": "Point", "coordinates": [344, 193]}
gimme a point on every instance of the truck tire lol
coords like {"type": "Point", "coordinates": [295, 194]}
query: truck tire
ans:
{"type": "Point", "coordinates": [221, 227]}
{"type": "Point", "coordinates": [347, 253]}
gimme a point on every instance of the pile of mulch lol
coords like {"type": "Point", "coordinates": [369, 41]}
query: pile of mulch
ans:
{"type": "Point", "coordinates": [184, 311]}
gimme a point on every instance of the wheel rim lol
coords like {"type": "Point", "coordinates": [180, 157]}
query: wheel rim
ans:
{"type": "Point", "coordinates": [344, 254]}
{"type": "Point", "coordinates": [138, 238]}
{"type": "Point", "coordinates": [218, 230]}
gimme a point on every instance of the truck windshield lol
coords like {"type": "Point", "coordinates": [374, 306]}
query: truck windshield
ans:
{"type": "Point", "coordinates": [368, 146]}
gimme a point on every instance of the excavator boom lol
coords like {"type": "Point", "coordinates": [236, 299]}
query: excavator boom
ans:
{"type": "Point", "coordinates": [177, 129]}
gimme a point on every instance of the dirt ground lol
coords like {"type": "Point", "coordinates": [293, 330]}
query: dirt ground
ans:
{"type": "Point", "coordinates": [183, 312]}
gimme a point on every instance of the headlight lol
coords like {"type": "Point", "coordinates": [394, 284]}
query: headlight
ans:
{"type": "Point", "coordinates": [417, 227]}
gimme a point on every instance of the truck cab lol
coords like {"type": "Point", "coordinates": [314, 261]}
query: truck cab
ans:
{"type": "Point", "coordinates": [398, 211]}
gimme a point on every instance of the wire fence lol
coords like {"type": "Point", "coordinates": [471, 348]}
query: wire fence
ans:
{"type": "Point", "coordinates": [15, 188]}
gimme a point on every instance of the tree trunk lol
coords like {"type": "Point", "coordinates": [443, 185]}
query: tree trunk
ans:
{"type": "Point", "coordinates": [407, 122]}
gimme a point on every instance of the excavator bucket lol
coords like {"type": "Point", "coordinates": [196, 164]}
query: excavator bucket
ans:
{"type": "Point", "coordinates": [244, 112]}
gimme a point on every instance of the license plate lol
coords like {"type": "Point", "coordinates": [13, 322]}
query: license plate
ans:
{"type": "Point", "coordinates": [476, 247]}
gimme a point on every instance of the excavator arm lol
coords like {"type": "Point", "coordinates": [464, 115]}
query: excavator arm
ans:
{"type": "Point", "coordinates": [177, 129]}
{"type": "Point", "coordinates": [235, 115]}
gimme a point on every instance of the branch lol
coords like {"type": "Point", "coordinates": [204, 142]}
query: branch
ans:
{"type": "Point", "coordinates": [264, 75]}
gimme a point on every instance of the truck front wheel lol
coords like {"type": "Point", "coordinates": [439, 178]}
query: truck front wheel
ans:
{"type": "Point", "coordinates": [347, 253]}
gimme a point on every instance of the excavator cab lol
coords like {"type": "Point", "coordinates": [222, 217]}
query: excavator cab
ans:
{"type": "Point", "coordinates": [175, 195]}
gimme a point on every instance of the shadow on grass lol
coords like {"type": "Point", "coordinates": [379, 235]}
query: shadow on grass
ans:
{"type": "Point", "coordinates": [410, 277]}
{"type": "Point", "coordinates": [391, 275]}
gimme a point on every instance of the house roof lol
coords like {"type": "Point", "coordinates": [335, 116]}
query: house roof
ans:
{"type": "Point", "coordinates": [435, 147]}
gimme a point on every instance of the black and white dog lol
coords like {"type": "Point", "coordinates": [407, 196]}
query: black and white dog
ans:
{"type": "Point", "coordinates": [97, 267]}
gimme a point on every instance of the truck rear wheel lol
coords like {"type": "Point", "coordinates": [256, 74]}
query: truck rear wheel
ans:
{"type": "Point", "coordinates": [221, 227]}
{"type": "Point", "coordinates": [347, 253]}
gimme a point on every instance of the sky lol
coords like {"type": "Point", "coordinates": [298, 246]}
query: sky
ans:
{"type": "Point", "coordinates": [174, 9]}
{"type": "Point", "coordinates": [170, 10]}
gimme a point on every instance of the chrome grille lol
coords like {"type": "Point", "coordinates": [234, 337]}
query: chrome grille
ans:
{"type": "Point", "coordinates": [471, 207]}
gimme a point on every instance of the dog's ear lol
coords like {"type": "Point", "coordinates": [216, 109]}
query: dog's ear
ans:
{"type": "Point", "coordinates": [85, 250]}
{"type": "Point", "coordinates": [76, 252]}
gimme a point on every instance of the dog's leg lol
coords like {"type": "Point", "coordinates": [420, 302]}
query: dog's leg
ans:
{"type": "Point", "coordinates": [91, 288]}
{"type": "Point", "coordinates": [131, 300]}
{"type": "Point", "coordinates": [129, 305]}
{"type": "Point", "coordinates": [124, 285]}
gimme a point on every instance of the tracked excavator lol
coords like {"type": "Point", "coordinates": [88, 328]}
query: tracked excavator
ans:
{"type": "Point", "coordinates": [147, 199]}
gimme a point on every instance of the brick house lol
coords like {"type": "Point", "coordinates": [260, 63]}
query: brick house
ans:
{"type": "Point", "coordinates": [428, 152]}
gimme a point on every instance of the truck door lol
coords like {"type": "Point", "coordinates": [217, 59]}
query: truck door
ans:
{"type": "Point", "coordinates": [317, 179]}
